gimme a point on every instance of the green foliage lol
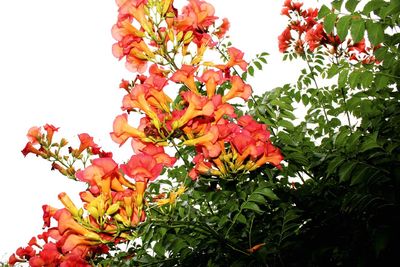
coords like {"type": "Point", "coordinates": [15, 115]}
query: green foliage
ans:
{"type": "Point", "coordinates": [336, 200]}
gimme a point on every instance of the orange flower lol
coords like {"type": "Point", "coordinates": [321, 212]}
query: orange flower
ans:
{"type": "Point", "coordinates": [236, 58]}
{"type": "Point", "coordinates": [29, 148]}
{"type": "Point", "coordinates": [186, 75]}
{"type": "Point", "coordinates": [138, 98]}
{"type": "Point", "coordinates": [72, 241]}
{"type": "Point", "coordinates": [223, 29]}
{"type": "Point", "coordinates": [212, 78]}
{"type": "Point", "coordinates": [156, 152]}
{"type": "Point", "coordinates": [123, 131]}
{"type": "Point", "coordinates": [198, 106]}
{"type": "Point", "coordinates": [197, 15]}
{"type": "Point", "coordinates": [142, 167]}
{"type": "Point", "coordinates": [68, 204]}
{"type": "Point", "coordinates": [66, 222]}
{"type": "Point", "coordinates": [271, 155]}
{"type": "Point", "coordinates": [86, 142]}
{"type": "Point", "coordinates": [239, 89]}
{"type": "Point", "coordinates": [102, 176]}
{"type": "Point", "coordinates": [34, 135]}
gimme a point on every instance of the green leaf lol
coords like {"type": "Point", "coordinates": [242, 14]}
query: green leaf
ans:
{"type": "Point", "coordinates": [354, 78]}
{"type": "Point", "coordinates": [393, 7]}
{"type": "Point", "coordinates": [250, 70]}
{"type": "Point", "coordinates": [351, 5]}
{"type": "Point", "coordinates": [375, 32]}
{"type": "Point", "coordinates": [357, 29]}
{"type": "Point", "coordinates": [334, 164]}
{"type": "Point", "coordinates": [241, 218]}
{"type": "Point", "coordinates": [370, 142]}
{"type": "Point", "coordinates": [337, 4]}
{"type": "Point", "coordinates": [343, 26]}
{"type": "Point", "coordinates": [286, 124]}
{"type": "Point", "coordinates": [305, 99]}
{"type": "Point", "coordinates": [367, 78]}
{"type": "Point", "coordinates": [323, 11]}
{"type": "Point", "coordinates": [267, 192]}
{"type": "Point", "coordinates": [252, 206]}
{"type": "Point", "coordinates": [329, 22]}
{"type": "Point", "coordinates": [159, 249]}
{"type": "Point", "coordinates": [373, 5]}
{"type": "Point", "coordinates": [257, 198]}
{"type": "Point", "coordinates": [360, 174]}
{"type": "Point", "coordinates": [342, 79]}
{"type": "Point", "coordinates": [345, 170]}
{"type": "Point", "coordinates": [258, 65]}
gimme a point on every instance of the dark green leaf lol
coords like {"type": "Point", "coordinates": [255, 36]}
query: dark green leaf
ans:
{"type": "Point", "coordinates": [334, 164]}
{"type": "Point", "coordinates": [354, 78]}
{"type": "Point", "coordinates": [366, 78]}
{"type": "Point", "coordinates": [370, 142]}
{"type": "Point", "coordinates": [252, 206]}
{"type": "Point", "coordinates": [345, 170]}
{"type": "Point", "coordinates": [267, 192]}
{"type": "Point", "coordinates": [257, 198]}
{"type": "Point", "coordinates": [305, 99]}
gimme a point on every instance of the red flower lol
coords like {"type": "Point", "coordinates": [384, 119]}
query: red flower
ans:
{"type": "Point", "coordinates": [50, 129]}
{"type": "Point", "coordinates": [284, 40]}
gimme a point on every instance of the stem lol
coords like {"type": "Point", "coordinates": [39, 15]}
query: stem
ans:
{"type": "Point", "coordinates": [179, 153]}
{"type": "Point", "coordinates": [251, 228]}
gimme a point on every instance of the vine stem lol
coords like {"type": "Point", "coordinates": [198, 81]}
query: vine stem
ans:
{"type": "Point", "coordinates": [179, 153]}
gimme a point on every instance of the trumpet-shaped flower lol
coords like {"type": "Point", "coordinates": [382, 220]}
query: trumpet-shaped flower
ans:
{"type": "Point", "coordinates": [185, 75]}
{"type": "Point", "coordinates": [142, 167]}
{"type": "Point", "coordinates": [212, 78]}
{"type": "Point", "coordinates": [123, 131]}
{"type": "Point", "coordinates": [239, 89]}
{"type": "Point", "coordinates": [198, 106]}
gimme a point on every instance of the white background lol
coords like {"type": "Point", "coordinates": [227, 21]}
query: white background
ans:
{"type": "Point", "coordinates": [56, 67]}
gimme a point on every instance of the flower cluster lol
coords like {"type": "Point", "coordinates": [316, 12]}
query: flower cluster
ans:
{"type": "Point", "coordinates": [112, 204]}
{"type": "Point", "coordinates": [305, 32]}
{"type": "Point", "coordinates": [201, 115]}
{"type": "Point", "coordinates": [166, 48]}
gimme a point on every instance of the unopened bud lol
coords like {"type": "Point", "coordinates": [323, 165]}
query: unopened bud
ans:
{"type": "Point", "coordinates": [112, 209]}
